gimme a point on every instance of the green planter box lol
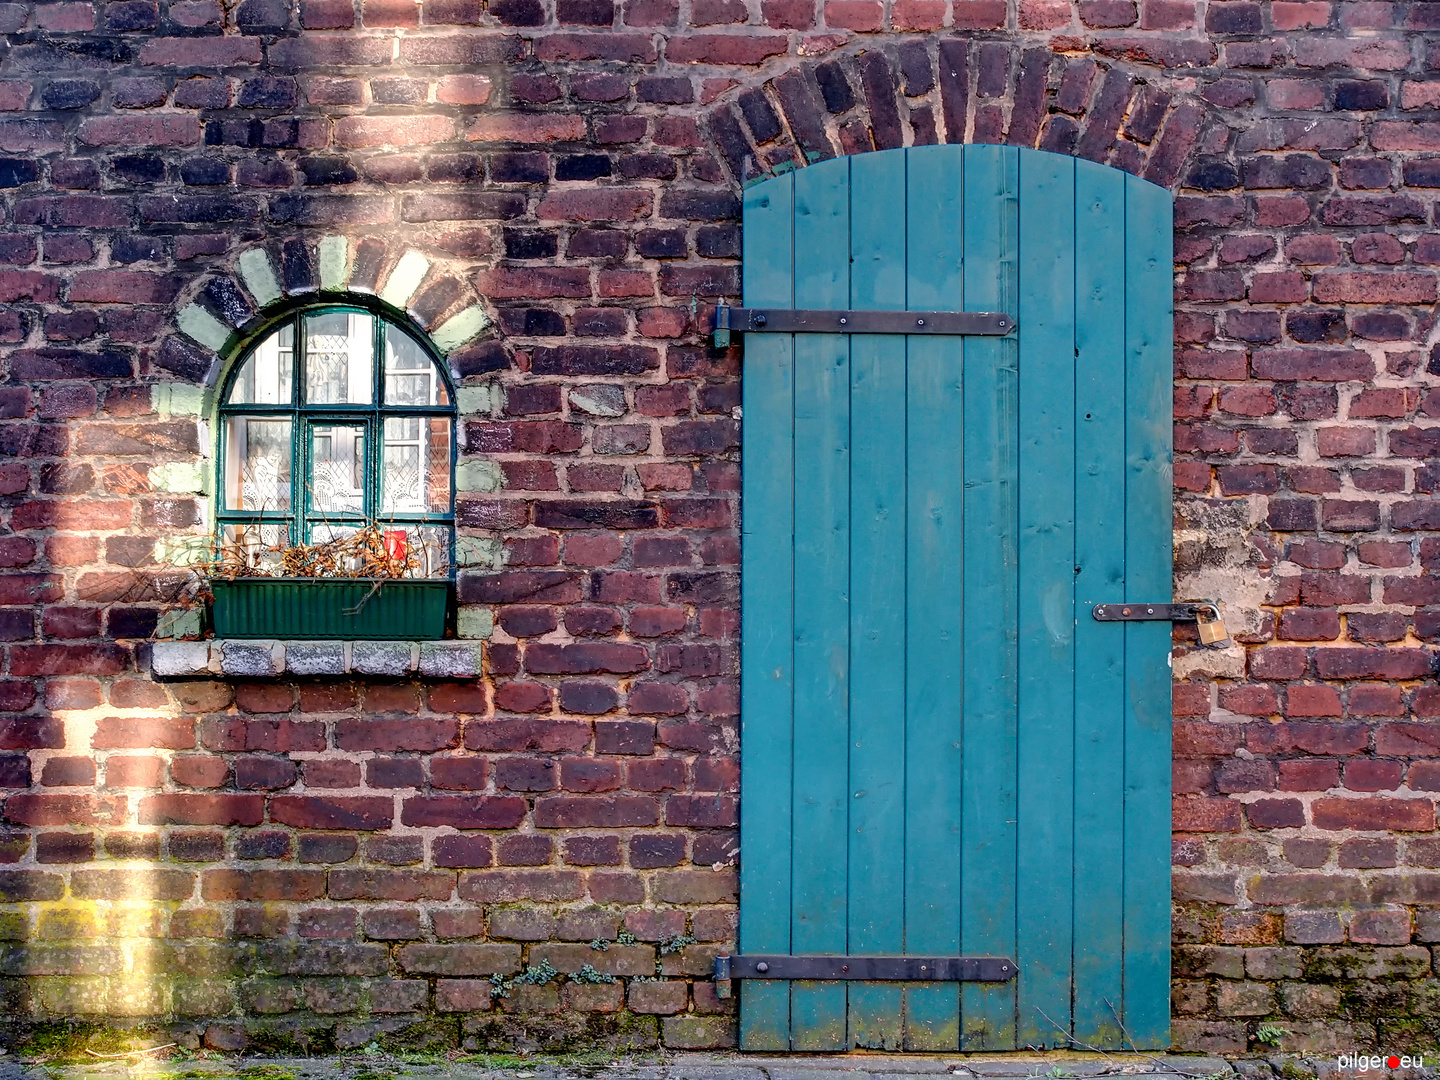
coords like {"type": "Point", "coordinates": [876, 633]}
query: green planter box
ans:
{"type": "Point", "coordinates": [300, 608]}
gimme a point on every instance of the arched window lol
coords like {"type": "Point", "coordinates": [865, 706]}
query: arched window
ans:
{"type": "Point", "coordinates": [337, 417]}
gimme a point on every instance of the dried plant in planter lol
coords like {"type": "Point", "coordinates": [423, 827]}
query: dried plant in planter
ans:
{"type": "Point", "coordinates": [371, 551]}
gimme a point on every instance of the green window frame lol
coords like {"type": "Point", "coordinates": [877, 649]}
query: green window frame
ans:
{"type": "Point", "coordinates": [345, 453]}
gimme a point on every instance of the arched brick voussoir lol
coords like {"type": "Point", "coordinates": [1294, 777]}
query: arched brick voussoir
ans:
{"type": "Point", "coordinates": [879, 95]}
{"type": "Point", "coordinates": [220, 310]}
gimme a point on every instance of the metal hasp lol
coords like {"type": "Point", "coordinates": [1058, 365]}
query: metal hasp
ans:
{"type": "Point", "coordinates": [1153, 612]}
{"type": "Point", "coordinates": [868, 968]}
{"type": "Point", "coordinates": [789, 321]}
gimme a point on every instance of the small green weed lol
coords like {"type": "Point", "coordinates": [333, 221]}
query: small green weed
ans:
{"type": "Point", "coordinates": [1270, 1033]}
{"type": "Point", "coordinates": [673, 943]}
{"type": "Point", "coordinates": [265, 1072]}
{"type": "Point", "coordinates": [599, 945]}
{"type": "Point", "coordinates": [534, 975]}
{"type": "Point", "coordinates": [588, 974]}
{"type": "Point", "coordinates": [625, 937]}
{"type": "Point", "coordinates": [494, 1061]}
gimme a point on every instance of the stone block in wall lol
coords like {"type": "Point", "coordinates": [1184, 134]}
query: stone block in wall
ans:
{"type": "Point", "coordinates": [698, 1032]}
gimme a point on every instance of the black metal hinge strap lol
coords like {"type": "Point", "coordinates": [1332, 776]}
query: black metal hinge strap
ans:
{"type": "Point", "coordinates": [868, 968]}
{"type": "Point", "coordinates": [1154, 612]}
{"type": "Point", "coordinates": [788, 321]}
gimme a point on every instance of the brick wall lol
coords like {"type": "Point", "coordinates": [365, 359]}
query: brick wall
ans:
{"type": "Point", "coordinates": [330, 861]}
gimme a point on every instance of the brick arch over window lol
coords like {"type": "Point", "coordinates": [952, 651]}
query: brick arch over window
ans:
{"type": "Point", "coordinates": [952, 89]}
{"type": "Point", "coordinates": [220, 310]}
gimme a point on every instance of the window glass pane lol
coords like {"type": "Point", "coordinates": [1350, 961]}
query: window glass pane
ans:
{"type": "Point", "coordinates": [424, 549]}
{"type": "Point", "coordinates": [416, 476]}
{"type": "Point", "coordinates": [338, 358]}
{"type": "Point", "coordinates": [267, 377]}
{"type": "Point", "coordinates": [410, 375]}
{"type": "Point", "coordinates": [257, 463]}
{"type": "Point", "coordinates": [247, 550]}
{"type": "Point", "coordinates": [416, 551]}
{"type": "Point", "coordinates": [337, 469]}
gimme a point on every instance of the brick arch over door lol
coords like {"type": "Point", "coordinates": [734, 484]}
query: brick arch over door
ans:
{"type": "Point", "coordinates": [924, 90]}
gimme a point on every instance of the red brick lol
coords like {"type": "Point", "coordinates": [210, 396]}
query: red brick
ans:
{"type": "Point", "coordinates": [595, 204]}
{"type": "Point", "coordinates": [1375, 288]}
{"type": "Point", "coordinates": [141, 131]}
{"type": "Point", "coordinates": [526, 128]}
{"type": "Point", "coordinates": [1375, 814]}
{"type": "Point", "coordinates": [197, 770]}
{"type": "Point", "coordinates": [357, 132]}
{"type": "Point", "coordinates": [397, 735]}
{"type": "Point", "coordinates": [979, 14]}
{"type": "Point", "coordinates": [332, 812]}
{"type": "Point", "coordinates": [465, 811]}
{"type": "Point", "coordinates": [862, 15]}
{"type": "Point", "coordinates": [727, 49]}
{"type": "Point", "coordinates": [1368, 774]}
{"type": "Point", "coordinates": [1309, 774]}
{"type": "Point", "coordinates": [129, 733]}
{"type": "Point", "coordinates": [214, 52]}
{"type": "Point", "coordinates": [1275, 813]}
{"type": "Point", "coordinates": [30, 809]}
{"type": "Point", "coordinates": [1304, 700]}
{"type": "Point", "coordinates": [390, 13]}
{"type": "Point", "coordinates": [201, 810]}
{"type": "Point", "coordinates": [558, 812]}
{"type": "Point", "coordinates": [68, 772]}
{"type": "Point", "coordinates": [263, 885]}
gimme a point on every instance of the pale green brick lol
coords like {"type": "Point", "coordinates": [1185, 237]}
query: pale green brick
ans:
{"type": "Point", "coordinates": [178, 623]}
{"type": "Point", "coordinates": [459, 329]}
{"type": "Point", "coordinates": [195, 322]}
{"type": "Point", "coordinates": [178, 476]}
{"type": "Point", "coordinates": [480, 551]}
{"type": "Point", "coordinates": [473, 622]}
{"type": "Point", "coordinates": [184, 550]}
{"type": "Point", "coordinates": [487, 398]}
{"type": "Point", "coordinates": [334, 263]}
{"type": "Point", "coordinates": [259, 276]}
{"type": "Point", "coordinates": [479, 474]}
{"type": "Point", "coordinates": [177, 399]}
{"type": "Point", "coordinates": [405, 279]}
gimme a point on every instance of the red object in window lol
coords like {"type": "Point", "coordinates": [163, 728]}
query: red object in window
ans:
{"type": "Point", "coordinates": [397, 545]}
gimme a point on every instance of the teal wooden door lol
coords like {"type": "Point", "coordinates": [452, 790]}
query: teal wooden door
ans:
{"type": "Point", "coordinates": [942, 752]}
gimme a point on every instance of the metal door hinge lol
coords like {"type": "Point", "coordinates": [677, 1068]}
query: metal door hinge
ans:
{"type": "Point", "coordinates": [864, 968]}
{"type": "Point", "coordinates": [1208, 624]}
{"type": "Point", "coordinates": [788, 321]}
{"type": "Point", "coordinates": [1153, 612]}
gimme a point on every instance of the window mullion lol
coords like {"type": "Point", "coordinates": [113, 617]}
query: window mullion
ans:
{"type": "Point", "coordinates": [300, 453]}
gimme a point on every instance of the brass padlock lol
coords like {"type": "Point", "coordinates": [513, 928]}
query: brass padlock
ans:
{"type": "Point", "coordinates": [1210, 625]}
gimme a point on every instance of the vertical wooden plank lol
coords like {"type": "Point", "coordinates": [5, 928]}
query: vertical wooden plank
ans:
{"type": "Point", "coordinates": [987, 925]}
{"type": "Point", "coordinates": [1046, 597]}
{"type": "Point", "coordinates": [1099, 578]}
{"type": "Point", "coordinates": [822, 608]}
{"type": "Point", "coordinates": [1148, 528]}
{"type": "Point", "coordinates": [935, 473]}
{"type": "Point", "coordinates": [766, 593]}
{"type": "Point", "coordinates": [877, 572]}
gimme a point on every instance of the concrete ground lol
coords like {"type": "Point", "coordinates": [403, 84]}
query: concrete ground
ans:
{"type": "Point", "coordinates": [670, 1066]}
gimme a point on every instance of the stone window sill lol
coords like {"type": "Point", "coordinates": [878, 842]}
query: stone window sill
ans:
{"type": "Point", "coordinates": [260, 658]}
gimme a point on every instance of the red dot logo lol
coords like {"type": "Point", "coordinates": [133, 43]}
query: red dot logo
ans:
{"type": "Point", "coordinates": [1392, 1061]}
